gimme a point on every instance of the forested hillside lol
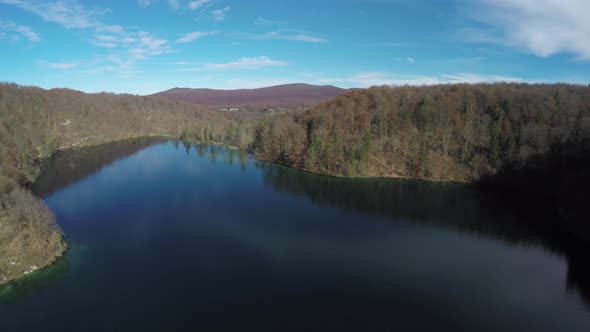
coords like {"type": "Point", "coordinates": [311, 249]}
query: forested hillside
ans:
{"type": "Point", "coordinates": [446, 132]}
{"type": "Point", "coordinates": [35, 123]}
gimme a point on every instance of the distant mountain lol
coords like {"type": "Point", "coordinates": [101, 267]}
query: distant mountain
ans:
{"type": "Point", "coordinates": [280, 95]}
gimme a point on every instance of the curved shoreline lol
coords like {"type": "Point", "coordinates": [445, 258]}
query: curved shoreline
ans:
{"type": "Point", "coordinates": [30, 264]}
{"type": "Point", "coordinates": [59, 253]}
{"type": "Point", "coordinates": [59, 237]}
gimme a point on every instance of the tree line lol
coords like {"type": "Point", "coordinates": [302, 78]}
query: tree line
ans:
{"type": "Point", "coordinates": [446, 132]}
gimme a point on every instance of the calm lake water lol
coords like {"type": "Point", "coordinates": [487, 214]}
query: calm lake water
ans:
{"type": "Point", "coordinates": [171, 237]}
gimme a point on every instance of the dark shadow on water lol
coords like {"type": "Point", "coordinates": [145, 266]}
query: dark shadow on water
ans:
{"type": "Point", "coordinates": [70, 166]}
{"type": "Point", "coordinates": [557, 183]}
{"type": "Point", "coordinates": [554, 188]}
{"type": "Point", "coordinates": [458, 207]}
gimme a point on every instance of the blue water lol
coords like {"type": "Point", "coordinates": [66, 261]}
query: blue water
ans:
{"type": "Point", "coordinates": [172, 237]}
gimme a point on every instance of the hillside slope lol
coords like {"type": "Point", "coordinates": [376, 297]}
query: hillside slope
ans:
{"type": "Point", "coordinates": [281, 95]}
{"type": "Point", "coordinates": [447, 132]}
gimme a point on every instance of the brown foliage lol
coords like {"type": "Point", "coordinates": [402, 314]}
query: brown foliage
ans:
{"type": "Point", "coordinates": [449, 132]}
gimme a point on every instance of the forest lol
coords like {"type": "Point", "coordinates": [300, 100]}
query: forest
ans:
{"type": "Point", "coordinates": [445, 132]}
{"type": "Point", "coordinates": [484, 133]}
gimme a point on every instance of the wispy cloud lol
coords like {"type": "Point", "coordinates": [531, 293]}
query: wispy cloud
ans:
{"type": "Point", "coordinates": [367, 79]}
{"type": "Point", "coordinates": [68, 14]}
{"type": "Point", "coordinates": [466, 60]}
{"type": "Point", "coordinates": [192, 36]}
{"type": "Point", "coordinates": [139, 44]}
{"type": "Point", "coordinates": [261, 21]}
{"type": "Point", "coordinates": [391, 44]}
{"type": "Point", "coordinates": [243, 63]}
{"type": "Point", "coordinates": [219, 14]}
{"type": "Point", "coordinates": [104, 44]}
{"type": "Point", "coordinates": [411, 60]}
{"type": "Point", "coordinates": [20, 30]}
{"type": "Point", "coordinates": [541, 27]}
{"type": "Point", "coordinates": [194, 5]}
{"type": "Point", "coordinates": [145, 3]}
{"type": "Point", "coordinates": [62, 65]}
{"type": "Point", "coordinates": [478, 35]}
{"type": "Point", "coordinates": [478, 78]}
{"type": "Point", "coordinates": [124, 46]}
{"type": "Point", "coordinates": [285, 35]}
{"type": "Point", "coordinates": [174, 4]}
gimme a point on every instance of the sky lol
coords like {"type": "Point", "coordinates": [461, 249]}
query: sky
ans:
{"type": "Point", "coordinates": [146, 46]}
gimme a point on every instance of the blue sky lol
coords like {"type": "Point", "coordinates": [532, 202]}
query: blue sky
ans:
{"type": "Point", "coordinates": [145, 46]}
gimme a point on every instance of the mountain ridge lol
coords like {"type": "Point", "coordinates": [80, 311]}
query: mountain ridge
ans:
{"type": "Point", "coordinates": [295, 94]}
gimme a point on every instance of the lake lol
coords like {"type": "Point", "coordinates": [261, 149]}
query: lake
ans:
{"type": "Point", "coordinates": [166, 236]}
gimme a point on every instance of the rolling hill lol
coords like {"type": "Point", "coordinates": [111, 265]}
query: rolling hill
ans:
{"type": "Point", "coordinates": [274, 96]}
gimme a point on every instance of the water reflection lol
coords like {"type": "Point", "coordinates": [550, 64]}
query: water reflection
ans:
{"type": "Point", "coordinates": [453, 206]}
{"type": "Point", "coordinates": [69, 166]}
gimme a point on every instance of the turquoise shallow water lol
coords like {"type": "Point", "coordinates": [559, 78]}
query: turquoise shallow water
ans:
{"type": "Point", "coordinates": [171, 237]}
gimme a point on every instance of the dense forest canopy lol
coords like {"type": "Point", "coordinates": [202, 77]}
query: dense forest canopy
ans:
{"type": "Point", "coordinates": [445, 132]}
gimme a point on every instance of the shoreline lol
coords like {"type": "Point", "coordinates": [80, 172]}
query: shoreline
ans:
{"type": "Point", "coordinates": [352, 177]}
{"type": "Point", "coordinates": [52, 260]}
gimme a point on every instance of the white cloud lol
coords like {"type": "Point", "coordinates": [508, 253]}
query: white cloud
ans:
{"type": "Point", "coordinates": [68, 14]}
{"type": "Point", "coordinates": [192, 36]}
{"type": "Point", "coordinates": [219, 14]}
{"type": "Point", "coordinates": [541, 27]}
{"type": "Point", "coordinates": [411, 60]}
{"type": "Point", "coordinates": [304, 38]}
{"type": "Point", "coordinates": [125, 47]}
{"type": "Point", "coordinates": [111, 28]}
{"type": "Point", "coordinates": [261, 21]}
{"type": "Point", "coordinates": [477, 78]}
{"type": "Point", "coordinates": [391, 44]}
{"type": "Point", "coordinates": [21, 30]}
{"type": "Point", "coordinates": [62, 65]}
{"type": "Point", "coordinates": [150, 45]}
{"type": "Point", "coordinates": [477, 35]}
{"type": "Point", "coordinates": [145, 3]}
{"type": "Point", "coordinates": [282, 35]}
{"type": "Point", "coordinates": [367, 79]}
{"type": "Point", "coordinates": [120, 39]}
{"type": "Point", "coordinates": [194, 5]}
{"type": "Point", "coordinates": [104, 44]}
{"type": "Point", "coordinates": [243, 63]}
{"type": "Point", "coordinates": [174, 4]}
